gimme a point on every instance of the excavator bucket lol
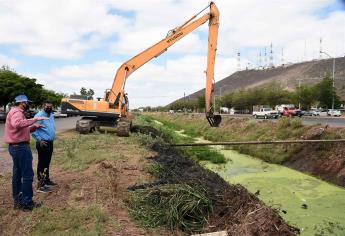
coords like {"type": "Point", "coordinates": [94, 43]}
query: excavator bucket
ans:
{"type": "Point", "coordinates": [214, 120]}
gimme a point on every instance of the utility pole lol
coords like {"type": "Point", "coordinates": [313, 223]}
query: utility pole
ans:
{"type": "Point", "coordinates": [333, 74]}
{"type": "Point", "coordinates": [299, 97]}
{"type": "Point", "coordinates": [220, 97]}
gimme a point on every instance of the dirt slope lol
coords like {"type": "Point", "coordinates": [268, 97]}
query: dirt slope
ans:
{"type": "Point", "coordinates": [288, 76]}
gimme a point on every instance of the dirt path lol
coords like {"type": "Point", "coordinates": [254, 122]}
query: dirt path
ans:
{"type": "Point", "coordinates": [5, 161]}
{"type": "Point", "coordinates": [103, 184]}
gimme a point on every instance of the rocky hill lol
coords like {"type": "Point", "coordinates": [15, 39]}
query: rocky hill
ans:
{"type": "Point", "coordinates": [288, 76]}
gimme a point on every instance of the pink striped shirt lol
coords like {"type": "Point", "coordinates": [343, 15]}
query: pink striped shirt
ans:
{"type": "Point", "coordinates": [17, 127]}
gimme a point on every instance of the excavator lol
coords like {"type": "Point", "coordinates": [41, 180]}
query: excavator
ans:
{"type": "Point", "coordinates": [112, 110]}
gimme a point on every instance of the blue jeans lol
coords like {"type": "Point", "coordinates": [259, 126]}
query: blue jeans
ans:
{"type": "Point", "coordinates": [23, 173]}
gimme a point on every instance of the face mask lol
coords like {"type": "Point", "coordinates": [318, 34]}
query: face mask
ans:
{"type": "Point", "coordinates": [26, 106]}
{"type": "Point", "coordinates": [48, 110]}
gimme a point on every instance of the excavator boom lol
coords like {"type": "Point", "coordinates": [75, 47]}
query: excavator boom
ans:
{"type": "Point", "coordinates": [112, 110]}
{"type": "Point", "coordinates": [116, 94]}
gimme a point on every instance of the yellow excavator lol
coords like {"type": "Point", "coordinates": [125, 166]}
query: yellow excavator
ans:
{"type": "Point", "coordinates": [113, 109]}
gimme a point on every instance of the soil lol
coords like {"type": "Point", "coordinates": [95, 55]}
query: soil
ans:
{"type": "Point", "coordinates": [235, 209]}
{"type": "Point", "coordinates": [326, 161]}
{"type": "Point", "coordinates": [107, 183]}
{"type": "Point", "coordinates": [104, 183]}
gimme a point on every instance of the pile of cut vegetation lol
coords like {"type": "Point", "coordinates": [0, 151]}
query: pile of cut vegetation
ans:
{"type": "Point", "coordinates": [190, 198]}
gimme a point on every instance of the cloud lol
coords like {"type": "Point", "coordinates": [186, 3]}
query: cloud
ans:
{"type": "Point", "coordinates": [250, 26]}
{"type": "Point", "coordinates": [56, 29]}
{"type": "Point", "coordinates": [7, 61]}
{"type": "Point", "coordinates": [66, 30]}
{"type": "Point", "coordinates": [150, 85]}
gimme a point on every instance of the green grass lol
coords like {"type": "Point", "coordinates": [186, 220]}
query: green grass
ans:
{"type": "Point", "coordinates": [77, 152]}
{"type": "Point", "coordinates": [244, 130]}
{"type": "Point", "coordinates": [170, 135]}
{"type": "Point", "coordinates": [154, 169]}
{"type": "Point", "coordinates": [177, 206]}
{"type": "Point", "coordinates": [70, 221]}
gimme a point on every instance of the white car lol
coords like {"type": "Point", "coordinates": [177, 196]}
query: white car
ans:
{"type": "Point", "coordinates": [333, 112]}
{"type": "Point", "coordinates": [320, 113]}
{"type": "Point", "coordinates": [266, 113]}
{"type": "Point", "coordinates": [58, 114]}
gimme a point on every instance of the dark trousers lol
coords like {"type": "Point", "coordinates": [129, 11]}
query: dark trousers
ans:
{"type": "Point", "coordinates": [44, 157]}
{"type": "Point", "coordinates": [23, 174]}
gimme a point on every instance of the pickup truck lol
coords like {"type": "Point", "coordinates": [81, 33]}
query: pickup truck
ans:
{"type": "Point", "coordinates": [291, 111]}
{"type": "Point", "coordinates": [266, 113]}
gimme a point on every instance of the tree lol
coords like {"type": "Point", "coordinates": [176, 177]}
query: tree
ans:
{"type": "Point", "coordinates": [83, 91]}
{"type": "Point", "coordinates": [90, 92]}
{"type": "Point", "coordinates": [12, 84]}
{"type": "Point", "coordinates": [306, 96]}
{"type": "Point", "coordinates": [325, 93]}
{"type": "Point", "coordinates": [201, 102]}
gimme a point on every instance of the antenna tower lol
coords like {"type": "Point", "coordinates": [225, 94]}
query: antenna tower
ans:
{"type": "Point", "coordinates": [265, 59]}
{"type": "Point", "coordinates": [271, 56]}
{"type": "Point", "coordinates": [320, 57]}
{"type": "Point", "coordinates": [282, 57]}
{"type": "Point", "coordinates": [238, 61]}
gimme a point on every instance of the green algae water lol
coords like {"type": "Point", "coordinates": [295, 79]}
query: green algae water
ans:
{"type": "Point", "coordinates": [314, 206]}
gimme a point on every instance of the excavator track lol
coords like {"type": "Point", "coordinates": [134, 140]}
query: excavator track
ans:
{"type": "Point", "coordinates": [123, 128]}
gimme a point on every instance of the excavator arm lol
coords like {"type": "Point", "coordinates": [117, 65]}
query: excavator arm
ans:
{"type": "Point", "coordinates": [116, 94]}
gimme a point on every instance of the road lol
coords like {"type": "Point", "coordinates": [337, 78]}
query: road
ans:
{"type": "Point", "coordinates": [69, 123]}
{"type": "Point", "coordinates": [61, 124]}
{"type": "Point", "coordinates": [331, 121]}
{"type": "Point", "coordinates": [307, 120]}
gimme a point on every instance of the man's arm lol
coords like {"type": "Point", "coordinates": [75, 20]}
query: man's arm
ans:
{"type": "Point", "coordinates": [33, 129]}
{"type": "Point", "coordinates": [18, 120]}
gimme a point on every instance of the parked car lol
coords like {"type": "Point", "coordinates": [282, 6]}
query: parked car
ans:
{"type": "Point", "coordinates": [291, 112]}
{"type": "Point", "coordinates": [266, 113]}
{"type": "Point", "coordinates": [3, 116]}
{"type": "Point", "coordinates": [323, 112]}
{"type": "Point", "coordinates": [334, 112]}
{"type": "Point", "coordinates": [280, 108]}
{"type": "Point", "coordinates": [58, 114]}
{"type": "Point", "coordinates": [307, 113]}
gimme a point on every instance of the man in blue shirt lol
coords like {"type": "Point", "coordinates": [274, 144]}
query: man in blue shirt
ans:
{"type": "Point", "coordinates": [44, 145]}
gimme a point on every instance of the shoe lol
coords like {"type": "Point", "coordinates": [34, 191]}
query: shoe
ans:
{"type": "Point", "coordinates": [43, 189]}
{"type": "Point", "coordinates": [30, 206]}
{"type": "Point", "coordinates": [50, 183]}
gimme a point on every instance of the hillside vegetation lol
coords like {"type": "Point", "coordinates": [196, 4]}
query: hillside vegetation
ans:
{"type": "Point", "coordinates": [288, 77]}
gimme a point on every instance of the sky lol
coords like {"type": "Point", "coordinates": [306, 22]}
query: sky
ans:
{"type": "Point", "coordinates": [69, 44]}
